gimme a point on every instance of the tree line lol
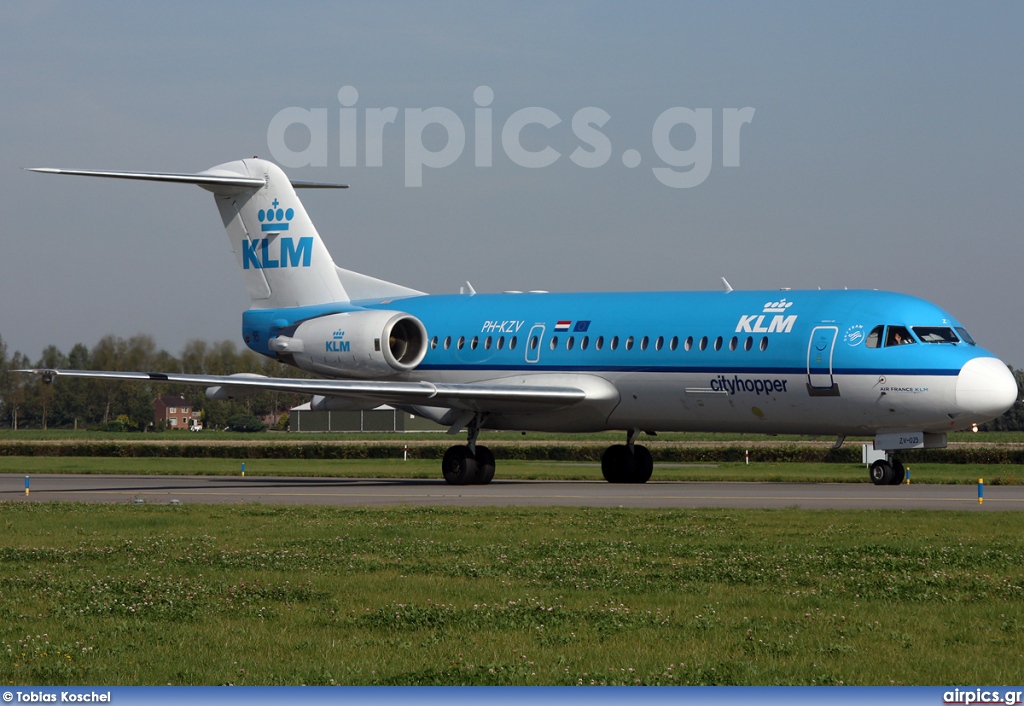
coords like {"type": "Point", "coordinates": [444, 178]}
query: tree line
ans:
{"type": "Point", "coordinates": [26, 402]}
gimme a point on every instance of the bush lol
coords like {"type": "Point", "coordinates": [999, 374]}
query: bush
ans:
{"type": "Point", "coordinates": [245, 423]}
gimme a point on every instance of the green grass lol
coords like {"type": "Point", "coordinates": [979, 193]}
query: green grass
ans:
{"type": "Point", "coordinates": [1001, 474]}
{"type": "Point", "coordinates": [315, 595]}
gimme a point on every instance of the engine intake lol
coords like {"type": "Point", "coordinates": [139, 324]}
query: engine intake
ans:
{"type": "Point", "coordinates": [362, 344]}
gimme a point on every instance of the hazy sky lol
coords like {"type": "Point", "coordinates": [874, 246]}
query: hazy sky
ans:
{"type": "Point", "coordinates": [885, 151]}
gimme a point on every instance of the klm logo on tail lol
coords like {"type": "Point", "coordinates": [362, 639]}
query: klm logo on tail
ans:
{"type": "Point", "coordinates": [276, 251]}
{"type": "Point", "coordinates": [288, 252]}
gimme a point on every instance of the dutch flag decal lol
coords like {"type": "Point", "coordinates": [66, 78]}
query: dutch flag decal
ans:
{"type": "Point", "coordinates": [563, 325]}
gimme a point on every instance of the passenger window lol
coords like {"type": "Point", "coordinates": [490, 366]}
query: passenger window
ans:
{"type": "Point", "coordinates": [674, 343]}
{"type": "Point", "coordinates": [688, 344]}
{"type": "Point", "coordinates": [487, 343]}
{"type": "Point", "coordinates": [599, 343]}
{"type": "Point", "coordinates": [703, 343]}
{"type": "Point", "coordinates": [898, 336]}
{"type": "Point", "coordinates": [533, 343]}
{"type": "Point", "coordinates": [659, 343]}
{"type": "Point", "coordinates": [874, 339]}
{"type": "Point", "coordinates": [447, 342]}
{"type": "Point", "coordinates": [764, 343]}
{"type": "Point", "coordinates": [718, 343]}
{"type": "Point", "coordinates": [501, 342]}
{"type": "Point", "coordinates": [629, 343]}
{"type": "Point", "coordinates": [433, 343]}
{"type": "Point", "coordinates": [584, 343]}
{"type": "Point", "coordinates": [643, 343]}
{"type": "Point", "coordinates": [512, 344]}
{"type": "Point", "coordinates": [732, 343]}
{"type": "Point", "coordinates": [474, 342]}
{"type": "Point", "coordinates": [749, 343]}
{"type": "Point", "coordinates": [615, 342]}
{"type": "Point", "coordinates": [461, 343]}
{"type": "Point", "coordinates": [569, 343]}
{"type": "Point", "coordinates": [554, 342]}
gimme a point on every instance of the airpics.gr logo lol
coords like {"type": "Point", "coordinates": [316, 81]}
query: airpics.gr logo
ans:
{"type": "Point", "coordinates": [780, 323]}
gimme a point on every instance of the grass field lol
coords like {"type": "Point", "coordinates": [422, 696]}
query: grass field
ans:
{"type": "Point", "coordinates": [270, 595]}
{"type": "Point", "coordinates": [1000, 474]}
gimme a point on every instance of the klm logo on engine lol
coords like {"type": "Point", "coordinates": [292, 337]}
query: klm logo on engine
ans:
{"type": "Point", "coordinates": [760, 323]}
{"type": "Point", "coordinates": [273, 253]}
{"type": "Point", "coordinates": [337, 344]}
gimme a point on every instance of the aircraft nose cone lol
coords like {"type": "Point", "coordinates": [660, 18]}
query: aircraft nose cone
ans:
{"type": "Point", "coordinates": [985, 387]}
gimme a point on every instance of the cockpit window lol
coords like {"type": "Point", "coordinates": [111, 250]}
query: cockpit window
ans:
{"type": "Point", "coordinates": [966, 337]}
{"type": "Point", "coordinates": [936, 334]}
{"type": "Point", "coordinates": [874, 339]}
{"type": "Point", "coordinates": [898, 336]}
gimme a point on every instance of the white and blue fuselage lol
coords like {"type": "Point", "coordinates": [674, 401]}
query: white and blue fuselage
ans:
{"type": "Point", "coordinates": [802, 362]}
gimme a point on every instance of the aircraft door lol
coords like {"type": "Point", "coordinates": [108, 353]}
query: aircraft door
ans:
{"type": "Point", "coordinates": [819, 357]}
{"type": "Point", "coordinates": [533, 343]}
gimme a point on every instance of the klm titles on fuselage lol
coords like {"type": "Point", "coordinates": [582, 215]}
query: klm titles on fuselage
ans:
{"type": "Point", "coordinates": [779, 323]}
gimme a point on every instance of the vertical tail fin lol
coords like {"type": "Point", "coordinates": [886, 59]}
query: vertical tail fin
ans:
{"type": "Point", "coordinates": [283, 260]}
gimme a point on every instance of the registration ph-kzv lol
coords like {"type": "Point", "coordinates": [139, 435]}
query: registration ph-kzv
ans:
{"type": "Point", "coordinates": [65, 697]}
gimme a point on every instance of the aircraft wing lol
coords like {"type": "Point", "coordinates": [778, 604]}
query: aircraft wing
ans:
{"type": "Point", "coordinates": [498, 396]}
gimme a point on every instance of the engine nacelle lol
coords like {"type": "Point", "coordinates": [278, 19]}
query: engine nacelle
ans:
{"type": "Point", "coordinates": [361, 344]}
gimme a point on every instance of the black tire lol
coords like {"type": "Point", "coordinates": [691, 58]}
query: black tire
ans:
{"type": "Point", "coordinates": [898, 473]}
{"type": "Point", "coordinates": [484, 465]}
{"type": "Point", "coordinates": [881, 473]}
{"type": "Point", "coordinates": [617, 464]}
{"type": "Point", "coordinates": [643, 465]}
{"type": "Point", "coordinates": [458, 466]}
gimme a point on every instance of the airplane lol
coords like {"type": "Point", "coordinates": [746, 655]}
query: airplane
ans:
{"type": "Point", "coordinates": [820, 362]}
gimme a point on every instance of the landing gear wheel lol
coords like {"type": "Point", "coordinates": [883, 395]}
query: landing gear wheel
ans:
{"type": "Point", "coordinates": [898, 473]}
{"type": "Point", "coordinates": [458, 466]}
{"type": "Point", "coordinates": [643, 465]}
{"type": "Point", "coordinates": [620, 465]}
{"type": "Point", "coordinates": [617, 464]}
{"type": "Point", "coordinates": [484, 465]}
{"type": "Point", "coordinates": [881, 473]}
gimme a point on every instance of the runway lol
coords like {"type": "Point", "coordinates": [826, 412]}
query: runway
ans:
{"type": "Point", "coordinates": [351, 492]}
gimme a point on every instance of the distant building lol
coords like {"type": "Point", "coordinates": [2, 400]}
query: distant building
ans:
{"type": "Point", "coordinates": [383, 419]}
{"type": "Point", "coordinates": [175, 413]}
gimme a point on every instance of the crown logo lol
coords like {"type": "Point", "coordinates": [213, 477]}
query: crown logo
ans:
{"type": "Point", "coordinates": [338, 335]}
{"type": "Point", "coordinates": [778, 307]}
{"type": "Point", "coordinates": [275, 219]}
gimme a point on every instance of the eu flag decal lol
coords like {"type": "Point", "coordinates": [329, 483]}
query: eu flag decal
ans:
{"type": "Point", "coordinates": [581, 327]}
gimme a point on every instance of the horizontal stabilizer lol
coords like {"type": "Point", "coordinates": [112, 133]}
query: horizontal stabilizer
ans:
{"type": "Point", "coordinates": [201, 179]}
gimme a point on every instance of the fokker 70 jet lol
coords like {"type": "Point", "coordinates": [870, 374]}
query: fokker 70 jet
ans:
{"type": "Point", "coordinates": [835, 363]}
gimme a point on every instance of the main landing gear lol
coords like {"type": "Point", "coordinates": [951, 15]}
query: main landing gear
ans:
{"type": "Point", "coordinates": [627, 463]}
{"type": "Point", "coordinates": [471, 464]}
{"type": "Point", "coordinates": [887, 471]}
